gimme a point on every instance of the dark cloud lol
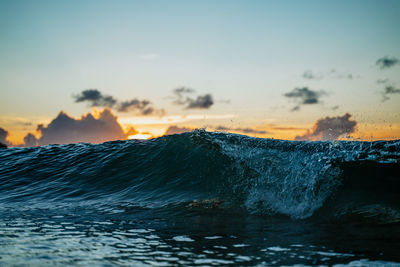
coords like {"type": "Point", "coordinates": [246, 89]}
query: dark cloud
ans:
{"type": "Point", "coordinates": [201, 102]}
{"type": "Point", "coordinates": [144, 107]}
{"type": "Point", "coordinates": [30, 140]}
{"type": "Point", "coordinates": [183, 90]}
{"type": "Point", "coordinates": [181, 95]}
{"type": "Point", "coordinates": [95, 98]}
{"type": "Point", "coordinates": [3, 137]}
{"type": "Point", "coordinates": [65, 129]}
{"type": "Point", "coordinates": [148, 110]}
{"type": "Point", "coordinates": [242, 130]}
{"type": "Point", "coordinates": [389, 90]}
{"type": "Point", "coordinates": [304, 96]}
{"type": "Point", "coordinates": [124, 106]}
{"type": "Point", "coordinates": [330, 128]}
{"type": "Point", "coordinates": [387, 62]}
{"type": "Point", "coordinates": [174, 129]}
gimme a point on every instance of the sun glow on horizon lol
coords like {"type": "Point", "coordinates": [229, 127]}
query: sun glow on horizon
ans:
{"type": "Point", "coordinates": [140, 136]}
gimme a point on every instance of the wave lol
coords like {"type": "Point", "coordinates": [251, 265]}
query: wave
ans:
{"type": "Point", "coordinates": [299, 179]}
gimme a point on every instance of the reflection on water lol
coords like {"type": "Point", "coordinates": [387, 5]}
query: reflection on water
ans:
{"type": "Point", "coordinates": [208, 239]}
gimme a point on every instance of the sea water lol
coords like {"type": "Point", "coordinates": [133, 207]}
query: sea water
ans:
{"type": "Point", "coordinates": [201, 199]}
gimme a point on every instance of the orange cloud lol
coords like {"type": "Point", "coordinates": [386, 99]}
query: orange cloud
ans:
{"type": "Point", "coordinates": [65, 129]}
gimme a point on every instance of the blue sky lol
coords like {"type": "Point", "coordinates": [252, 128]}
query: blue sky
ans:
{"type": "Point", "coordinates": [250, 52]}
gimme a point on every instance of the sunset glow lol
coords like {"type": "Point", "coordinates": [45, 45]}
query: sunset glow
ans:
{"type": "Point", "coordinates": [273, 74]}
{"type": "Point", "coordinates": [140, 136]}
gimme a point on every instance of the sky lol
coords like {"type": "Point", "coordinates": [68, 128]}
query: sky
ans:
{"type": "Point", "coordinates": [278, 69]}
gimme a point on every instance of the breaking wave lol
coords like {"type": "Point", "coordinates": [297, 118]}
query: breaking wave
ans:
{"type": "Point", "coordinates": [210, 170]}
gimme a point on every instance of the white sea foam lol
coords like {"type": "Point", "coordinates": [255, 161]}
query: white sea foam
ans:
{"type": "Point", "coordinates": [292, 181]}
{"type": "Point", "coordinates": [240, 245]}
{"type": "Point", "coordinates": [278, 249]}
{"type": "Point", "coordinates": [182, 238]}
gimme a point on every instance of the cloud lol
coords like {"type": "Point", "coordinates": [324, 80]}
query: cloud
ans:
{"type": "Point", "coordinates": [180, 93]}
{"type": "Point", "coordinates": [95, 98]}
{"type": "Point", "coordinates": [3, 137]}
{"type": "Point", "coordinates": [144, 107]}
{"type": "Point", "coordinates": [341, 75]}
{"type": "Point", "coordinates": [387, 62]}
{"type": "Point", "coordinates": [330, 128]}
{"type": "Point", "coordinates": [199, 102]}
{"type": "Point", "coordinates": [295, 108]}
{"type": "Point", "coordinates": [333, 74]}
{"type": "Point", "coordinates": [134, 103]}
{"type": "Point", "coordinates": [30, 140]}
{"type": "Point", "coordinates": [27, 123]}
{"type": "Point", "coordinates": [174, 129]}
{"type": "Point", "coordinates": [131, 131]}
{"type": "Point", "coordinates": [242, 130]}
{"type": "Point", "coordinates": [389, 90]}
{"type": "Point", "coordinates": [308, 74]}
{"type": "Point", "coordinates": [380, 81]}
{"type": "Point", "coordinates": [65, 129]}
{"type": "Point", "coordinates": [304, 96]}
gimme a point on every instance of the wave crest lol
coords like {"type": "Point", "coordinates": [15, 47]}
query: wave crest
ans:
{"type": "Point", "coordinates": [262, 176]}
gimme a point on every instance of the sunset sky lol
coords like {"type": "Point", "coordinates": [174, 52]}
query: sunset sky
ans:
{"type": "Point", "coordinates": [262, 68]}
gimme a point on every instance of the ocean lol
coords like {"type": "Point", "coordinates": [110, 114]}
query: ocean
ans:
{"type": "Point", "coordinates": [201, 199]}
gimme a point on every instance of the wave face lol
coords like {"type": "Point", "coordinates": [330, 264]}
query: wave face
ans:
{"type": "Point", "coordinates": [298, 179]}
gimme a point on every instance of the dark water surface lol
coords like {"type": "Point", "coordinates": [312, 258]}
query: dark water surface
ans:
{"type": "Point", "coordinates": [201, 199]}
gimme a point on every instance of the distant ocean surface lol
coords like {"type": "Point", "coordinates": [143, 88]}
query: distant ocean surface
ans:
{"type": "Point", "coordinates": [201, 199]}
